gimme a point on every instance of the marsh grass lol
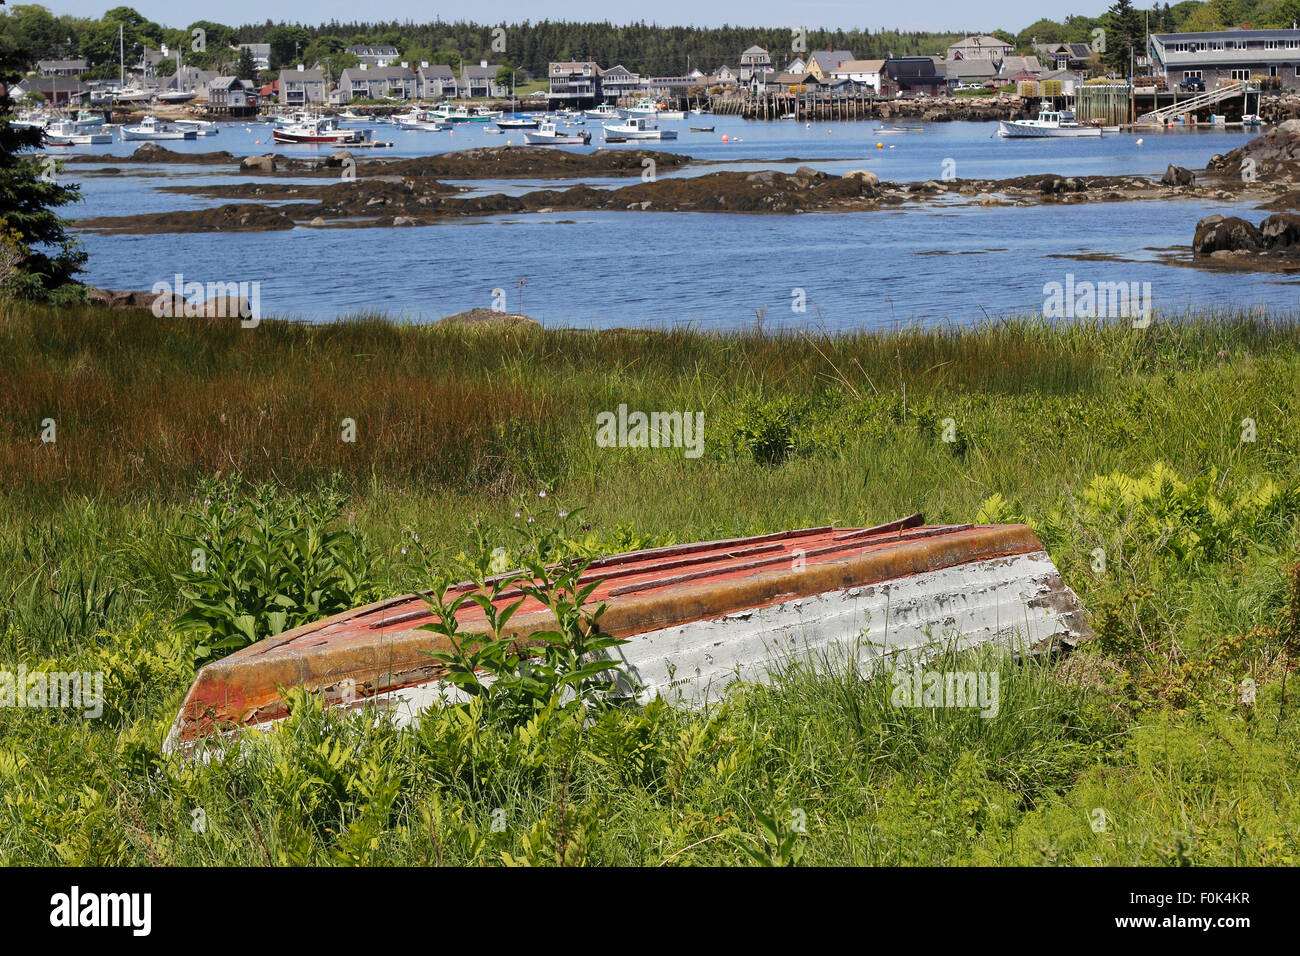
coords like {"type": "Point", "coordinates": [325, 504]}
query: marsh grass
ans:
{"type": "Point", "coordinates": [1101, 436]}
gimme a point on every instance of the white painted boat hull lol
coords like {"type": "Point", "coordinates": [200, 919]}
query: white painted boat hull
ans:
{"type": "Point", "coordinates": [1013, 130]}
{"type": "Point", "coordinates": [694, 619]}
{"type": "Point", "coordinates": [1014, 603]}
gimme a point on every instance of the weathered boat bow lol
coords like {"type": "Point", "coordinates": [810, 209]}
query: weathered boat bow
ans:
{"type": "Point", "coordinates": [696, 618]}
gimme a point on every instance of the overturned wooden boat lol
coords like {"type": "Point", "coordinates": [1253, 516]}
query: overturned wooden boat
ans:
{"type": "Point", "coordinates": [696, 618]}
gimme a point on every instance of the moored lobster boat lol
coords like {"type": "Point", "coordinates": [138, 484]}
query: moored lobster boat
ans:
{"type": "Point", "coordinates": [320, 131]}
{"type": "Point", "coordinates": [695, 617]}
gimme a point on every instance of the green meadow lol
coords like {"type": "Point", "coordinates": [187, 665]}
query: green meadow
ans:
{"type": "Point", "coordinates": [339, 463]}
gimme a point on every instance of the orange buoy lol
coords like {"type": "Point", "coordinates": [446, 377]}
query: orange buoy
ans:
{"type": "Point", "coordinates": [880, 146]}
{"type": "Point", "coordinates": [726, 138]}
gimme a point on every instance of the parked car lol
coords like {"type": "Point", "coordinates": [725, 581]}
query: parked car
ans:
{"type": "Point", "coordinates": [1192, 84]}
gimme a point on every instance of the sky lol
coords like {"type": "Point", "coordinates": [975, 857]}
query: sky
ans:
{"type": "Point", "coordinates": [937, 15]}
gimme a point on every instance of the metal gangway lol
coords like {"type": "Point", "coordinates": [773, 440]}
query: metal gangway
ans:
{"type": "Point", "coordinates": [1240, 88]}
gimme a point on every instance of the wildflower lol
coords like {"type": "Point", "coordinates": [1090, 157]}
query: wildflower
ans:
{"type": "Point", "coordinates": [563, 514]}
{"type": "Point", "coordinates": [542, 493]}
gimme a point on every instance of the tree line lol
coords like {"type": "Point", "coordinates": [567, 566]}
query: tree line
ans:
{"type": "Point", "coordinates": [641, 47]}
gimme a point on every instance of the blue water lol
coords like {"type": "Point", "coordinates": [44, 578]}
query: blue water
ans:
{"type": "Point", "coordinates": [949, 262]}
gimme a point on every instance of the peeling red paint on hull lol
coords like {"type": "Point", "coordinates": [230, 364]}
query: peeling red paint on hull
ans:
{"type": "Point", "coordinates": [696, 617]}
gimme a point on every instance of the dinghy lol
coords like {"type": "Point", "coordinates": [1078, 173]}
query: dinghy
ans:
{"type": "Point", "coordinates": [695, 617]}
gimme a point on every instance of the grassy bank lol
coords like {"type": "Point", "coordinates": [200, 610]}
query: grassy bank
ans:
{"type": "Point", "coordinates": [1169, 452]}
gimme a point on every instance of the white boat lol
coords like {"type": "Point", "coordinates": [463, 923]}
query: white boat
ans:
{"type": "Point", "coordinates": [319, 130]}
{"type": "Point", "coordinates": [420, 121]}
{"type": "Point", "coordinates": [653, 109]}
{"type": "Point", "coordinates": [132, 95]}
{"type": "Point", "coordinates": [88, 121]}
{"type": "Point", "coordinates": [347, 116]}
{"type": "Point", "coordinates": [202, 127]}
{"type": "Point", "coordinates": [639, 127]}
{"type": "Point", "coordinates": [1051, 123]}
{"type": "Point", "coordinates": [518, 122]}
{"type": "Point", "coordinates": [151, 129]}
{"type": "Point", "coordinates": [603, 112]}
{"type": "Point", "coordinates": [66, 133]}
{"type": "Point", "coordinates": [1251, 119]}
{"type": "Point", "coordinates": [31, 119]}
{"type": "Point", "coordinates": [462, 114]}
{"type": "Point", "coordinates": [176, 96]}
{"type": "Point", "coordinates": [548, 134]}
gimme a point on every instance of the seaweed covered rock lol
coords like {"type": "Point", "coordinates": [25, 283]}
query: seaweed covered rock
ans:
{"type": "Point", "coordinates": [1225, 234]}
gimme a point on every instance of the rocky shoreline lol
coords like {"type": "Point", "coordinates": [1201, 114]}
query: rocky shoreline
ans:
{"type": "Point", "coordinates": [410, 192]}
{"type": "Point", "coordinates": [369, 192]}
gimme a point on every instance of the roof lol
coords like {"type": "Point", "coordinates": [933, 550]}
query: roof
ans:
{"type": "Point", "coordinates": [860, 66]}
{"type": "Point", "coordinates": [1059, 75]}
{"type": "Point", "coordinates": [619, 70]}
{"type": "Point", "coordinates": [257, 49]}
{"type": "Point", "coordinates": [981, 66]}
{"type": "Point", "coordinates": [51, 84]}
{"type": "Point", "coordinates": [60, 64]}
{"type": "Point", "coordinates": [355, 73]}
{"type": "Point", "coordinates": [193, 76]}
{"type": "Point", "coordinates": [488, 72]}
{"type": "Point", "coordinates": [439, 70]}
{"type": "Point", "coordinates": [754, 51]}
{"type": "Point", "coordinates": [1019, 64]}
{"type": "Point", "coordinates": [1228, 35]}
{"type": "Point", "coordinates": [917, 68]}
{"type": "Point", "coordinates": [829, 59]}
{"type": "Point", "coordinates": [981, 40]}
{"type": "Point", "coordinates": [226, 83]}
{"type": "Point", "coordinates": [305, 76]}
{"type": "Point", "coordinates": [364, 49]}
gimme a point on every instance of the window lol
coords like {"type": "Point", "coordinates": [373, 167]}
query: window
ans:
{"type": "Point", "coordinates": [1270, 44]}
{"type": "Point", "coordinates": [1272, 71]}
{"type": "Point", "coordinates": [1188, 74]}
{"type": "Point", "coordinates": [1241, 74]}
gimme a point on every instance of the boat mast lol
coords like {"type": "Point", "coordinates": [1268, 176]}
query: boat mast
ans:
{"type": "Point", "coordinates": [121, 59]}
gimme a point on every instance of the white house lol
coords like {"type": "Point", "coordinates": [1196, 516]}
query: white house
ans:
{"type": "Point", "coordinates": [862, 72]}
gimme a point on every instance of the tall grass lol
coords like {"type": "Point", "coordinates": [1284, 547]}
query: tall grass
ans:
{"type": "Point", "coordinates": [1062, 426]}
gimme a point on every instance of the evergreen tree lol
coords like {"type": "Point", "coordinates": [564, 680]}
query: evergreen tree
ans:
{"type": "Point", "coordinates": [1125, 36]}
{"type": "Point", "coordinates": [38, 259]}
{"type": "Point", "coordinates": [246, 69]}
